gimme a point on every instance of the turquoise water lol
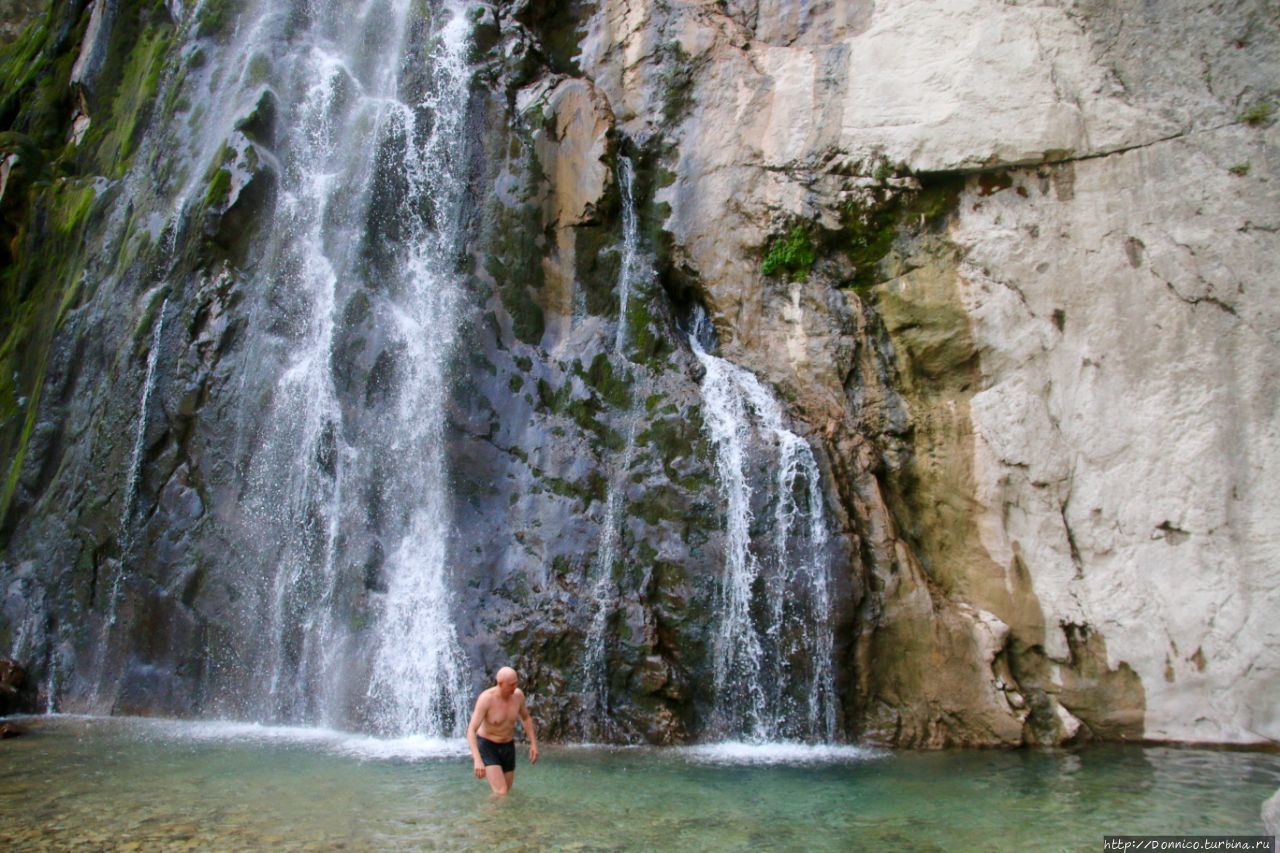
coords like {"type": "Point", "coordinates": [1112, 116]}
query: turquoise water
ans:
{"type": "Point", "coordinates": [117, 783]}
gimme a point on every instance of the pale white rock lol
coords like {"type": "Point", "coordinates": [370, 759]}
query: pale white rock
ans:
{"type": "Point", "coordinates": [1271, 814]}
{"type": "Point", "coordinates": [79, 127]}
{"type": "Point", "coordinates": [6, 168]}
{"type": "Point", "coordinates": [1147, 426]}
{"type": "Point", "coordinates": [991, 633]}
{"type": "Point", "coordinates": [1069, 722]}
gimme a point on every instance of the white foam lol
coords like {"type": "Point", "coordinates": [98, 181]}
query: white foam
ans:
{"type": "Point", "coordinates": [411, 748]}
{"type": "Point", "coordinates": [231, 730]}
{"type": "Point", "coordinates": [742, 753]}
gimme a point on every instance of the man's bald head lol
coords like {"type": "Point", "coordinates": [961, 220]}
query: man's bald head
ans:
{"type": "Point", "coordinates": [506, 679]}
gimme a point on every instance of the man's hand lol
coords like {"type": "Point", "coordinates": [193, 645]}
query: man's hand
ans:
{"type": "Point", "coordinates": [533, 753]}
{"type": "Point", "coordinates": [479, 768]}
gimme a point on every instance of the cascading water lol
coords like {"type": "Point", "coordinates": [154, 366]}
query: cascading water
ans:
{"type": "Point", "coordinates": [418, 678]}
{"type": "Point", "coordinates": [603, 591]}
{"type": "Point", "coordinates": [324, 470]}
{"type": "Point", "coordinates": [772, 637]}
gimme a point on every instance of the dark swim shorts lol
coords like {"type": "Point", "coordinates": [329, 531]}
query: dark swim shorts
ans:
{"type": "Point", "coordinates": [502, 754]}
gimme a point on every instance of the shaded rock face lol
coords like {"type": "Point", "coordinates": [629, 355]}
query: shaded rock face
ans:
{"type": "Point", "coordinates": [1018, 305]}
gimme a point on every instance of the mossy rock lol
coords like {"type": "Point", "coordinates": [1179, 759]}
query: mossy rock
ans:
{"type": "Point", "coordinates": [614, 389]}
{"type": "Point", "coordinates": [597, 266]}
{"type": "Point", "coordinates": [516, 245]}
{"type": "Point", "coordinates": [869, 230]}
{"type": "Point", "coordinates": [791, 255]}
{"type": "Point", "coordinates": [217, 18]}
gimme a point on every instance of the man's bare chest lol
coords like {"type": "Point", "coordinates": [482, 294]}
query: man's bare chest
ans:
{"type": "Point", "coordinates": [501, 713]}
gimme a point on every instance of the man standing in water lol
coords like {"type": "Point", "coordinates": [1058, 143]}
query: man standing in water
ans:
{"type": "Point", "coordinates": [492, 732]}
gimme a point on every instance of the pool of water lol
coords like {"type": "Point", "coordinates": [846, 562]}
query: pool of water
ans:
{"type": "Point", "coordinates": [129, 784]}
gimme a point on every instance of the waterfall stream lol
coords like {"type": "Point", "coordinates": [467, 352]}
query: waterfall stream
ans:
{"type": "Point", "coordinates": [604, 592]}
{"type": "Point", "coordinates": [367, 226]}
{"type": "Point", "coordinates": [135, 465]}
{"type": "Point", "coordinates": [772, 634]}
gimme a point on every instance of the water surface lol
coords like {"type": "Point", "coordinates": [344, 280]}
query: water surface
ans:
{"type": "Point", "coordinates": [114, 783]}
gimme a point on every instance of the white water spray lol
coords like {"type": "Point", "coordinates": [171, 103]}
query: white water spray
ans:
{"type": "Point", "coordinates": [772, 642]}
{"type": "Point", "coordinates": [323, 451]}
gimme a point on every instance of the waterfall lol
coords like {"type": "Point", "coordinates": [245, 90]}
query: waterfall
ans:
{"type": "Point", "coordinates": [603, 591]}
{"type": "Point", "coordinates": [631, 268]}
{"type": "Point", "coordinates": [772, 641]}
{"type": "Point", "coordinates": [135, 464]}
{"type": "Point", "coordinates": [419, 679]}
{"type": "Point", "coordinates": [372, 184]}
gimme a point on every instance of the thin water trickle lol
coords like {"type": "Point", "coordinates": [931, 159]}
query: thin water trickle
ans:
{"type": "Point", "coordinates": [631, 259]}
{"type": "Point", "coordinates": [772, 637]}
{"type": "Point", "coordinates": [135, 465]}
{"type": "Point", "coordinates": [604, 592]}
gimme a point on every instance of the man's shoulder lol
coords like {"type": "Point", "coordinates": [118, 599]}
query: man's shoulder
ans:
{"type": "Point", "coordinates": [486, 694]}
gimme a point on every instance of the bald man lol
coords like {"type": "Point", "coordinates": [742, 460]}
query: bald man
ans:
{"type": "Point", "coordinates": [492, 732]}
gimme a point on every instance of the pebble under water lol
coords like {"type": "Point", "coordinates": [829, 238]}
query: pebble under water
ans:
{"type": "Point", "coordinates": [130, 784]}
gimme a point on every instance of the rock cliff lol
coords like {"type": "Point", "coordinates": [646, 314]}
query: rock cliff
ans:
{"type": "Point", "coordinates": [1006, 264]}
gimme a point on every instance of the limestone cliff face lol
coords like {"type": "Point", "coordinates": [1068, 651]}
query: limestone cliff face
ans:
{"type": "Point", "coordinates": [1008, 265]}
{"type": "Point", "coordinates": [1057, 466]}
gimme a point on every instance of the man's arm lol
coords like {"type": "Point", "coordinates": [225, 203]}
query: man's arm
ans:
{"type": "Point", "coordinates": [526, 720]}
{"type": "Point", "coordinates": [477, 717]}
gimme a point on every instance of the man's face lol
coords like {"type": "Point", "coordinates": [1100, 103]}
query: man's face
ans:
{"type": "Point", "coordinates": [506, 685]}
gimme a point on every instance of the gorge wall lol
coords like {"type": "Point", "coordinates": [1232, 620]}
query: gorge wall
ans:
{"type": "Point", "coordinates": [1007, 267]}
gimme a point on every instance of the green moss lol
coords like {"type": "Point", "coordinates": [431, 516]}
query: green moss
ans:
{"type": "Point", "coordinates": [515, 383]}
{"type": "Point", "coordinates": [593, 487]}
{"type": "Point", "coordinates": [219, 189]}
{"type": "Point", "coordinates": [1258, 114]}
{"type": "Point", "coordinates": [114, 136]}
{"type": "Point", "coordinates": [515, 262]}
{"type": "Point", "coordinates": [676, 82]}
{"type": "Point", "coordinates": [884, 170]}
{"type": "Point", "coordinates": [663, 504]}
{"type": "Point", "coordinates": [19, 63]}
{"type": "Point", "coordinates": [614, 389]}
{"type": "Point", "coordinates": [1239, 170]}
{"type": "Point", "coordinates": [37, 99]}
{"type": "Point", "coordinates": [792, 255]}
{"type": "Point", "coordinates": [647, 342]}
{"type": "Point", "coordinates": [596, 266]}
{"type": "Point", "coordinates": [39, 292]}
{"type": "Point", "coordinates": [553, 400]}
{"type": "Point", "coordinates": [678, 437]}
{"type": "Point", "coordinates": [217, 18]}
{"type": "Point", "coordinates": [868, 233]}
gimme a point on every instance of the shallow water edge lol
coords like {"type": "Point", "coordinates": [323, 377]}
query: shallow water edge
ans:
{"type": "Point", "coordinates": [109, 783]}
